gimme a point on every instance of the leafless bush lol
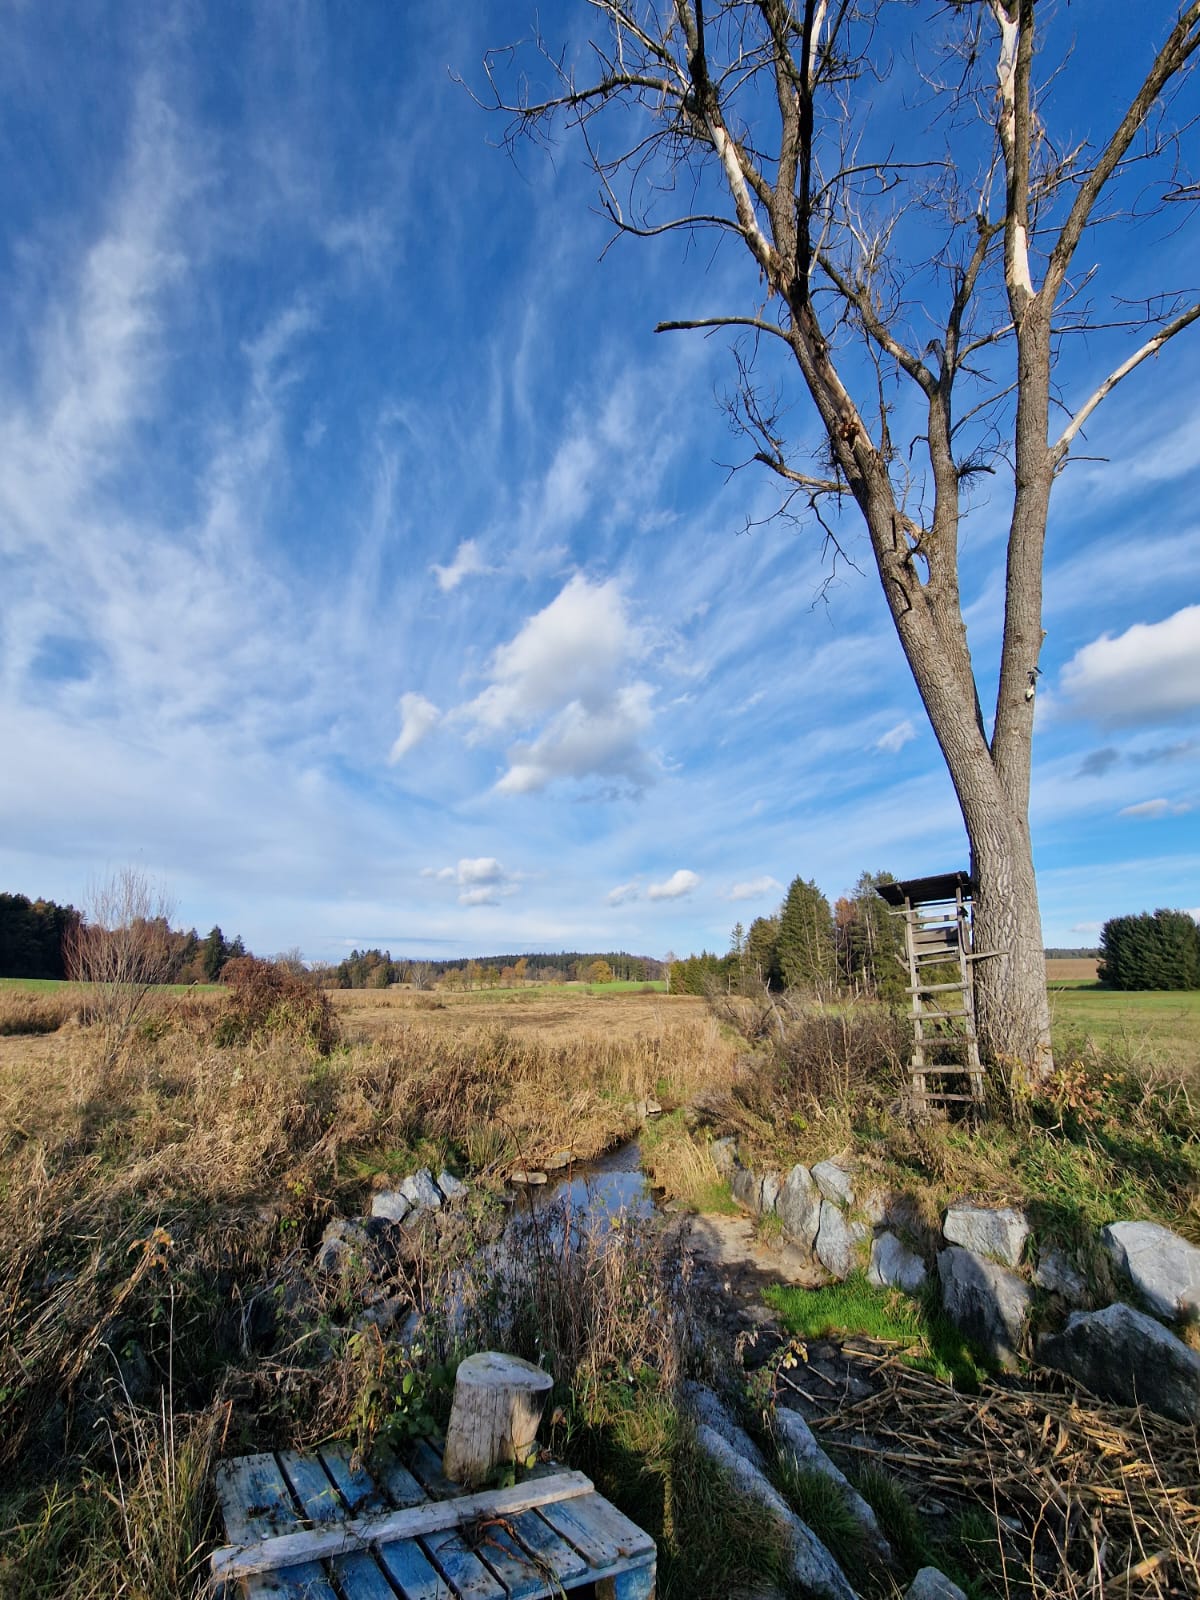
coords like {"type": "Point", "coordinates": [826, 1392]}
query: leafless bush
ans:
{"type": "Point", "coordinates": [121, 948]}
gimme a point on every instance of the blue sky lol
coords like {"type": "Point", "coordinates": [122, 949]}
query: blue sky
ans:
{"type": "Point", "coordinates": [371, 572]}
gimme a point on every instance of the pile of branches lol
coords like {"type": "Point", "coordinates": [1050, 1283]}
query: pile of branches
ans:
{"type": "Point", "coordinates": [1092, 1499]}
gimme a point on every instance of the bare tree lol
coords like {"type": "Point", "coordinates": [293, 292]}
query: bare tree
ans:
{"type": "Point", "coordinates": [121, 949]}
{"type": "Point", "coordinates": [919, 271]}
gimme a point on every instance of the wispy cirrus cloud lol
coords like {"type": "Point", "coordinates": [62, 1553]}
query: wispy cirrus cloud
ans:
{"type": "Point", "coordinates": [467, 563]}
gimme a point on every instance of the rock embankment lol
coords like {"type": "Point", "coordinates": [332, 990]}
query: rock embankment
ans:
{"type": "Point", "coordinates": [988, 1268]}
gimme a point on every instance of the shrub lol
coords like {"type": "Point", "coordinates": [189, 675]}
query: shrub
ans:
{"type": "Point", "coordinates": [267, 999]}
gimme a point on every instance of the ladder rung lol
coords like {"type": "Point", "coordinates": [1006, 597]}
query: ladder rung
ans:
{"type": "Point", "coordinates": [933, 988]}
{"type": "Point", "coordinates": [938, 1016]}
{"type": "Point", "coordinates": [958, 1070]}
{"type": "Point", "coordinates": [943, 1099]}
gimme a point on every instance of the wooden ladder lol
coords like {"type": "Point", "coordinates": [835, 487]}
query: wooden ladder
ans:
{"type": "Point", "coordinates": [945, 1044]}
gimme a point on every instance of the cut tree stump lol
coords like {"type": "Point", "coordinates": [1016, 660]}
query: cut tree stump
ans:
{"type": "Point", "coordinates": [498, 1402]}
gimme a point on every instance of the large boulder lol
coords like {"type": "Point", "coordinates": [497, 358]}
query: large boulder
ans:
{"type": "Point", "coordinates": [724, 1154]}
{"type": "Point", "coordinates": [834, 1182]}
{"type": "Point", "coordinates": [990, 1304]}
{"type": "Point", "coordinates": [798, 1207]}
{"type": "Point", "coordinates": [999, 1232]}
{"type": "Point", "coordinates": [390, 1205]}
{"type": "Point", "coordinates": [1124, 1355]}
{"type": "Point", "coordinates": [813, 1568]}
{"type": "Point", "coordinates": [895, 1266]}
{"type": "Point", "coordinates": [707, 1408]}
{"type": "Point", "coordinates": [1058, 1275]}
{"type": "Point", "coordinates": [797, 1439]}
{"type": "Point", "coordinates": [421, 1192]}
{"type": "Point", "coordinates": [835, 1242]}
{"type": "Point", "coordinates": [1162, 1267]}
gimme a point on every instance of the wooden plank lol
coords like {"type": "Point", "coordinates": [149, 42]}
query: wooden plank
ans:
{"type": "Point", "coordinates": [522, 1577]}
{"type": "Point", "coordinates": [550, 1548]}
{"type": "Point", "coordinates": [411, 1570]}
{"type": "Point", "coordinates": [598, 1530]}
{"type": "Point", "coordinates": [312, 1487]}
{"type": "Point", "coordinates": [256, 1505]}
{"type": "Point", "coordinates": [359, 1578]}
{"type": "Point", "coordinates": [269, 1554]}
{"type": "Point", "coordinates": [401, 1487]}
{"type": "Point", "coordinates": [636, 1585]}
{"type": "Point", "coordinates": [426, 1464]}
{"type": "Point", "coordinates": [355, 1484]}
{"type": "Point", "coordinates": [464, 1571]}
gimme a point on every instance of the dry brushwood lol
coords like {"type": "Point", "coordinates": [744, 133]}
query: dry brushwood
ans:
{"type": "Point", "coordinates": [1107, 1499]}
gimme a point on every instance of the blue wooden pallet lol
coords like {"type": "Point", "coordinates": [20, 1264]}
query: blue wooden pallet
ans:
{"type": "Point", "coordinates": [554, 1549]}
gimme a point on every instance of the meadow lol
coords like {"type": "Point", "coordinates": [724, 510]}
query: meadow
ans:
{"type": "Point", "coordinates": [159, 1211]}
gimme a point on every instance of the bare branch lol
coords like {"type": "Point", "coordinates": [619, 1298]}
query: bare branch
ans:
{"type": "Point", "coordinates": [725, 322]}
{"type": "Point", "coordinates": [1150, 348]}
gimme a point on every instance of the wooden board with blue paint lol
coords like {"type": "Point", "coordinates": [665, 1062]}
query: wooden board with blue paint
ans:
{"type": "Point", "coordinates": [276, 1505]}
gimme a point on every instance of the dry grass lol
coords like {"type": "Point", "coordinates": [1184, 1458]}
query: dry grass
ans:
{"type": "Point", "coordinates": [34, 1011]}
{"type": "Point", "coordinates": [159, 1216]}
{"type": "Point", "coordinates": [1071, 969]}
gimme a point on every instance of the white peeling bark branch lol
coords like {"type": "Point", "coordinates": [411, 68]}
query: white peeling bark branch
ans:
{"type": "Point", "coordinates": [1150, 348]}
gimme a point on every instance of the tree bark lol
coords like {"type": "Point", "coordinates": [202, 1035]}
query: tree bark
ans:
{"type": "Point", "coordinates": [498, 1402]}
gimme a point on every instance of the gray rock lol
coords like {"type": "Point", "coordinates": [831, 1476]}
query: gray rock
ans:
{"type": "Point", "coordinates": [421, 1191]}
{"type": "Point", "coordinates": [724, 1154]}
{"type": "Point", "coordinates": [557, 1161]}
{"type": "Point", "coordinates": [1057, 1274]}
{"type": "Point", "coordinates": [1163, 1268]}
{"type": "Point", "coordinates": [835, 1242]}
{"type": "Point", "coordinates": [895, 1266]}
{"type": "Point", "coordinates": [834, 1182]}
{"type": "Point", "coordinates": [875, 1207]}
{"type": "Point", "coordinates": [747, 1187]}
{"type": "Point", "coordinates": [342, 1244]}
{"type": "Point", "coordinates": [1124, 1355]}
{"type": "Point", "coordinates": [708, 1409]}
{"type": "Point", "coordinates": [390, 1205]}
{"type": "Point", "coordinates": [646, 1108]}
{"type": "Point", "coordinates": [930, 1584]}
{"type": "Point", "coordinates": [813, 1568]}
{"type": "Point", "coordinates": [796, 1437]}
{"type": "Point", "coordinates": [996, 1231]}
{"type": "Point", "coordinates": [799, 1207]}
{"type": "Point", "coordinates": [452, 1188]}
{"type": "Point", "coordinates": [771, 1185]}
{"type": "Point", "coordinates": [989, 1303]}
{"type": "Point", "coordinates": [528, 1177]}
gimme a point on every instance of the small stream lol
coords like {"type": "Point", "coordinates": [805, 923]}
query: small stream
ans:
{"type": "Point", "coordinates": [612, 1184]}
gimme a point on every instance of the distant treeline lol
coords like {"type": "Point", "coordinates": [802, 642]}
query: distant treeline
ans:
{"type": "Point", "coordinates": [31, 936]}
{"type": "Point", "coordinates": [1088, 953]}
{"type": "Point", "coordinates": [376, 969]}
{"type": "Point", "coordinates": [34, 943]}
{"type": "Point", "coordinates": [857, 945]}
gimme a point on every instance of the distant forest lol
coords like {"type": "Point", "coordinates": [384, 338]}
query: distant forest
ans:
{"type": "Point", "coordinates": [33, 936]}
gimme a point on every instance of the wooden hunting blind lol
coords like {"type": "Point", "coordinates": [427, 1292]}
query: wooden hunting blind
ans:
{"type": "Point", "coordinates": [939, 948]}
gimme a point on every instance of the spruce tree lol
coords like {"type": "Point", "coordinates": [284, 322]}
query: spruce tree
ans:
{"type": "Point", "coordinates": [806, 949]}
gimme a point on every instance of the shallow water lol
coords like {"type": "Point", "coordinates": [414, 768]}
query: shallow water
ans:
{"type": "Point", "coordinates": [613, 1184]}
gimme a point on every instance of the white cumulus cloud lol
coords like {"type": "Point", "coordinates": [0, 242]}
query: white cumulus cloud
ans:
{"type": "Point", "coordinates": [755, 888]}
{"type": "Point", "coordinates": [418, 717]}
{"type": "Point", "coordinates": [566, 685]}
{"type": "Point", "coordinates": [1148, 674]}
{"type": "Point", "coordinates": [481, 880]}
{"type": "Point", "coordinates": [896, 738]}
{"type": "Point", "coordinates": [622, 893]}
{"type": "Point", "coordinates": [467, 563]}
{"type": "Point", "coordinates": [679, 883]}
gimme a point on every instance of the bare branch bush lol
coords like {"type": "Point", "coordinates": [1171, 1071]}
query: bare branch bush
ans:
{"type": "Point", "coordinates": [121, 951]}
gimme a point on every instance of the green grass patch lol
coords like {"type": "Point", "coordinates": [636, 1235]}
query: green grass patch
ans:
{"type": "Point", "coordinates": [1140, 1026]}
{"type": "Point", "coordinates": [857, 1308]}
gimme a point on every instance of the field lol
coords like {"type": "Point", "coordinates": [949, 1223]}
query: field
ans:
{"type": "Point", "coordinates": [160, 1212]}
